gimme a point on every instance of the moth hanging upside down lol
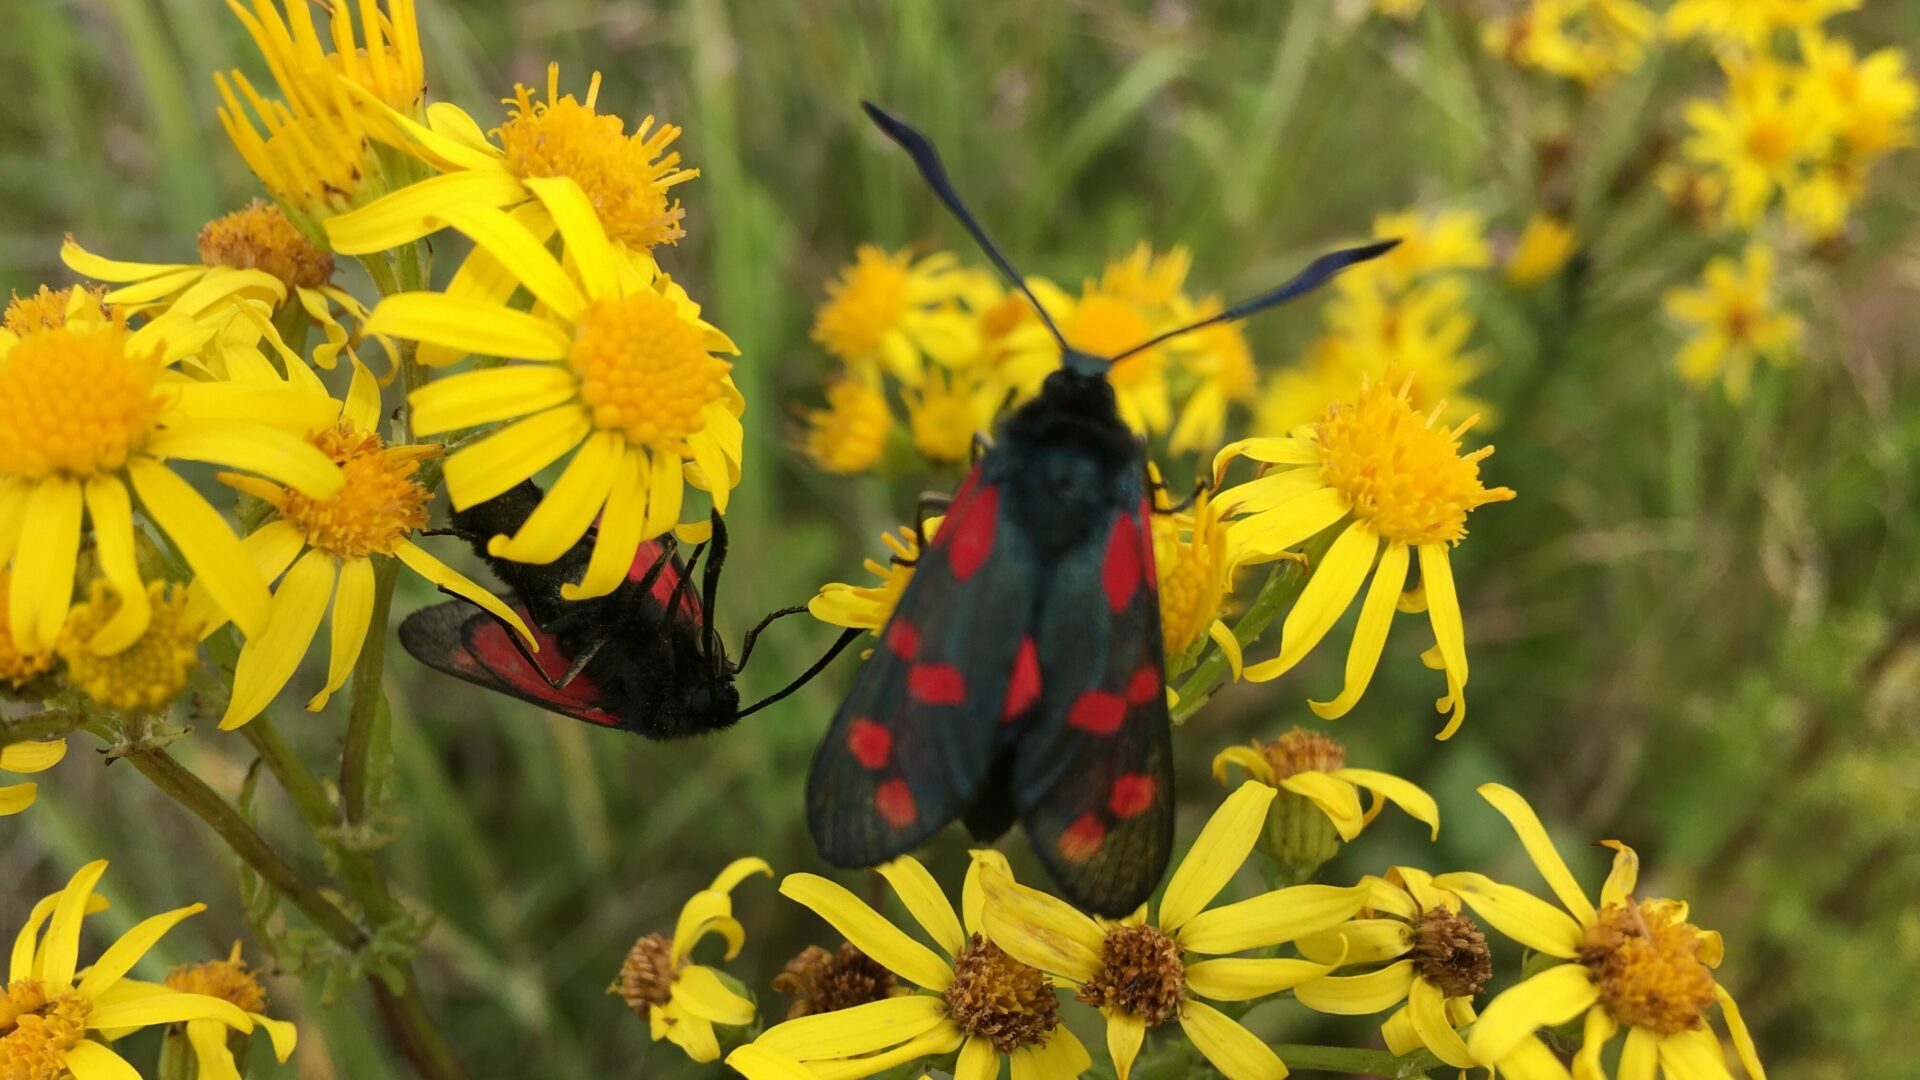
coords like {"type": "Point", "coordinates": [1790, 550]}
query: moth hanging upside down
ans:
{"type": "Point", "coordinates": [1021, 676]}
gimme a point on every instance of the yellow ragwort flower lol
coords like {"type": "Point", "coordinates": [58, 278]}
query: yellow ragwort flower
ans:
{"type": "Point", "coordinates": [888, 312]}
{"type": "Point", "coordinates": [972, 997]}
{"type": "Point", "coordinates": [682, 1000]}
{"type": "Point", "coordinates": [1633, 963]}
{"type": "Point", "coordinates": [1016, 351]}
{"type": "Point", "coordinates": [1761, 137]}
{"type": "Point", "coordinates": [945, 413]}
{"type": "Point", "coordinates": [1394, 482]}
{"type": "Point", "coordinates": [868, 607]}
{"type": "Point", "coordinates": [316, 156]}
{"type": "Point", "coordinates": [90, 416]}
{"type": "Point", "coordinates": [1152, 283]}
{"type": "Point", "coordinates": [1435, 960]}
{"type": "Point", "coordinates": [1431, 242]}
{"type": "Point", "coordinates": [26, 758]}
{"type": "Point", "coordinates": [1748, 23]}
{"type": "Point", "coordinates": [1543, 250]}
{"type": "Point", "coordinates": [849, 435]}
{"type": "Point", "coordinates": [321, 551]}
{"type": "Point", "coordinates": [1314, 767]}
{"type": "Point", "coordinates": [152, 672]}
{"type": "Point", "coordinates": [626, 382]}
{"type": "Point", "coordinates": [54, 1011]}
{"type": "Point", "coordinates": [230, 981]}
{"type": "Point", "coordinates": [1190, 555]}
{"type": "Point", "coordinates": [1137, 971]}
{"type": "Point", "coordinates": [1422, 331]}
{"type": "Point", "coordinates": [1585, 40]}
{"type": "Point", "coordinates": [1733, 320]}
{"type": "Point", "coordinates": [47, 308]}
{"type": "Point", "coordinates": [1106, 324]}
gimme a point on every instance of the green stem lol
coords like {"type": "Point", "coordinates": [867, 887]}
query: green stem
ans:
{"type": "Point", "coordinates": [1341, 1059]}
{"type": "Point", "coordinates": [299, 781]}
{"type": "Point", "coordinates": [407, 1020]}
{"type": "Point", "coordinates": [368, 710]}
{"type": "Point", "coordinates": [1282, 588]}
{"type": "Point", "coordinates": [40, 725]}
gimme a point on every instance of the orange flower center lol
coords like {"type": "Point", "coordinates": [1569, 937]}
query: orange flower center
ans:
{"type": "Point", "coordinates": [259, 236]}
{"type": "Point", "coordinates": [645, 372]}
{"type": "Point", "coordinates": [1646, 962]}
{"type": "Point", "coordinates": [379, 506]}
{"type": "Point", "coordinates": [74, 401]}
{"type": "Point", "coordinates": [36, 1031]}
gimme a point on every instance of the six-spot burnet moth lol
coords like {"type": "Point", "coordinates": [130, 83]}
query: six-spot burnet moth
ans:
{"type": "Point", "coordinates": [1020, 675]}
{"type": "Point", "coordinates": [644, 658]}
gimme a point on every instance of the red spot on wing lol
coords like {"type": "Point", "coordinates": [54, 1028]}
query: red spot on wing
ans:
{"type": "Point", "coordinates": [1146, 542]}
{"type": "Point", "coordinates": [1083, 838]}
{"type": "Point", "coordinates": [902, 638]}
{"type": "Point", "coordinates": [1144, 686]}
{"type": "Point", "coordinates": [1024, 688]}
{"type": "Point", "coordinates": [1132, 794]}
{"type": "Point", "coordinates": [968, 534]}
{"type": "Point", "coordinates": [936, 684]}
{"type": "Point", "coordinates": [869, 743]}
{"type": "Point", "coordinates": [894, 800]}
{"type": "Point", "coordinates": [1098, 712]}
{"type": "Point", "coordinates": [1120, 575]}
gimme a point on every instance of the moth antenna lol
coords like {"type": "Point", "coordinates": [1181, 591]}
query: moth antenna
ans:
{"type": "Point", "coordinates": [927, 160]}
{"type": "Point", "coordinates": [1315, 275]}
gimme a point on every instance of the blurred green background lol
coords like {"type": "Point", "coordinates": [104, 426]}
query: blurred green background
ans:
{"type": "Point", "coordinates": [1697, 630]}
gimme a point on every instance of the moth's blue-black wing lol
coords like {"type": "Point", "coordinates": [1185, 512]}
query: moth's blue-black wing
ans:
{"type": "Point", "coordinates": [910, 748]}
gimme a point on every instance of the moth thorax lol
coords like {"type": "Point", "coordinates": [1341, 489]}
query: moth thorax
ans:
{"type": "Point", "coordinates": [1140, 972]}
{"type": "Point", "coordinates": [819, 981]}
{"type": "Point", "coordinates": [1450, 952]}
{"type": "Point", "coordinates": [646, 975]}
{"type": "Point", "coordinates": [1000, 999]}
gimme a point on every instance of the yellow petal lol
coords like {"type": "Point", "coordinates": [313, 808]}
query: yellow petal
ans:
{"type": "Point", "coordinates": [1370, 634]}
{"type": "Point", "coordinates": [1548, 999]}
{"type": "Point", "coordinates": [568, 507]}
{"type": "Point", "coordinates": [665, 490]}
{"type": "Point", "coordinates": [1125, 1032]}
{"type": "Point", "coordinates": [588, 250]}
{"type": "Point", "coordinates": [1358, 995]}
{"type": "Point", "coordinates": [863, 1029]}
{"type": "Point", "coordinates": [1533, 836]}
{"type": "Point", "coordinates": [1251, 978]}
{"type": "Point", "coordinates": [1363, 941]}
{"type": "Point", "coordinates": [1693, 1055]}
{"type": "Point", "coordinates": [885, 943]}
{"type": "Point", "coordinates": [467, 325]}
{"type": "Point", "coordinates": [32, 757]}
{"type": "Point", "coordinates": [93, 1061]}
{"type": "Point", "coordinates": [1217, 854]}
{"type": "Point", "coordinates": [352, 614]}
{"type": "Point", "coordinates": [1531, 1060]}
{"type": "Point", "coordinates": [282, 1034]}
{"type": "Point", "coordinates": [362, 407]}
{"type": "Point", "coordinates": [98, 268]}
{"type": "Point", "coordinates": [472, 398]}
{"type": "Point", "coordinates": [714, 472]}
{"type": "Point", "coordinates": [942, 1038]}
{"type": "Point", "coordinates": [209, 1041]}
{"type": "Point", "coordinates": [210, 548]}
{"type": "Point", "coordinates": [1232, 1049]}
{"type": "Point", "coordinates": [617, 539]}
{"type": "Point", "coordinates": [1253, 761]}
{"type": "Point", "coordinates": [1037, 929]}
{"type": "Point", "coordinates": [1407, 796]}
{"type": "Point", "coordinates": [925, 902]}
{"type": "Point", "coordinates": [1399, 1035]}
{"type": "Point", "coordinates": [420, 562]}
{"type": "Point", "coordinates": [1587, 1061]}
{"type": "Point", "coordinates": [1742, 1038]}
{"type": "Point", "coordinates": [1443, 610]}
{"type": "Point", "coordinates": [1331, 588]}
{"type": "Point", "coordinates": [1624, 876]}
{"type": "Point", "coordinates": [702, 993]}
{"type": "Point", "coordinates": [270, 659]}
{"type": "Point", "coordinates": [1271, 918]}
{"type": "Point", "coordinates": [706, 912]}
{"type": "Point", "coordinates": [1640, 1056]}
{"type": "Point", "coordinates": [1336, 798]}
{"type": "Point", "coordinates": [1266, 536]}
{"type": "Point", "coordinates": [111, 510]}
{"type": "Point", "coordinates": [1517, 913]}
{"type": "Point", "coordinates": [270, 549]}
{"type": "Point", "coordinates": [973, 897]}
{"type": "Point", "coordinates": [503, 238]}
{"type": "Point", "coordinates": [166, 1009]}
{"type": "Point", "coordinates": [406, 215]}
{"type": "Point", "coordinates": [478, 472]}
{"type": "Point", "coordinates": [483, 278]}
{"type": "Point", "coordinates": [27, 944]}
{"type": "Point", "coordinates": [59, 951]}
{"type": "Point", "coordinates": [756, 1062]}
{"type": "Point", "coordinates": [1273, 450]}
{"type": "Point", "coordinates": [132, 945]}
{"type": "Point", "coordinates": [738, 871]}
{"type": "Point", "coordinates": [41, 587]}
{"type": "Point", "coordinates": [693, 1035]}
{"type": "Point", "coordinates": [1267, 492]}
{"type": "Point", "coordinates": [260, 402]}
{"type": "Point", "coordinates": [1229, 644]}
{"type": "Point", "coordinates": [269, 451]}
{"type": "Point", "coordinates": [1427, 1008]}
{"type": "Point", "coordinates": [979, 1061]}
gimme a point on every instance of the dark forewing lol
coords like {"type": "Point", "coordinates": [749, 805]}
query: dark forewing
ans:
{"type": "Point", "coordinates": [464, 641]}
{"type": "Point", "coordinates": [1093, 775]}
{"type": "Point", "coordinates": [910, 747]}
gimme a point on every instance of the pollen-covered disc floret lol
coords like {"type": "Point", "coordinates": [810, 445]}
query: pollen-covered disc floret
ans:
{"type": "Point", "coordinates": [74, 401]}
{"type": "Point", "coordinates": [17, 669]}
{"type": "Point", "coordinates": [819, 981]}
{"type": "Point", "coordinates": [1646, 960]}
{"type": "Point", "coordinates": [1140, 973]}
{"type": "Point", "coordinates": [43, 310]}
{"type": "Point", "coordinates": [36, 1030]}
{"type": "Point", "coordinates": [259, 236]}
{"type": "Point", "coordinates": [1000, 999]}
{"type": "Point", "coordinates": [1402, 474]}
{"type": "Point", "coordinates": [380, 505]}
{"type": "Point", "coordinates": [868, 300]}
{"type": "Point", "coordinates": [850, 434]}
{"type": "Point", "coordinates": [1450, 951]}
{"type": "Point", "coordinates": [626, 177]}
{"type": "Point", "coordinates": [230, 980]}
{"type": "Point", "coordinates": [646, 975]}
{"type": "Point", "coordinates": [645, 371]}
{"type": "Point", "coordinates": [1301, 751]}
{"type": "Point", "coordinates": [150, 673]}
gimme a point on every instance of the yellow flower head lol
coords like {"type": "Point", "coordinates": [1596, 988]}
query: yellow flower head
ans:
{"type": "Point", "coordinates": [970, 996]}
{"type": "Point", "coordinates": [624, 383]}
{"type": "Point", "coordinates": [1631, 962]}
{"type": "Point", "coordinates": [944, 414]}
{"type": "Point", "coordinates": [230, 981]}
{"type": "Point", "coordinates": [1871, 99]}
{"type": "Point", "coordinates": [1422, 331]}
{"type": "Point", "coordinates": [1543, 250]}
{"type": "Point", "coordinates": [1106, 324]}
{"type": "Point", "coordinates": [850, 434]}
{"type": "Point", "coordinates": [90, 414]}
{"type": "Point", "coordinates": [26, 758]}
{"type": "Point", "coordinates": [891, 312]}
{"type": "Point", "coordinates": [1732, 320]}
{"type": "Point", "coordinates": [52, 1005]}
{"type": "Point", "coordinates": [681, 1000]}
{"type": "Point", "coordinates": [1399, 483]}
{"type": "Point", "coordinates": [1314, 767]}
{"type": "Point", "coordinates": [148, 674]}
{"type": "Point", "coordinates": [1760, 138]}
{"type": "Point", "coordinates": [47, 308]}
{"type": "Point", "coordinates": [1141, 973]}
{"type": "Point", "coordinates": [868, 607]}
{"type": "Point", "coordinates": [1196, 579]}
{"type": "Point", "coordinates": [1149, 282]}
{"type": "Point", "coordinates": [1585, 40]}
{"type": "Point", "coordinates": [1432, 957]}
{"type": "Point", "coordinates": [1219, 361]}
{"type": "Point", "coordinates": [1431, 242]}
{"type": "Point", "coordinates": [1748, 23]}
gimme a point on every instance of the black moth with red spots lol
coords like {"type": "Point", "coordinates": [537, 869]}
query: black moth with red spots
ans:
{"type": "Point", "coordinates": [1020, 676]}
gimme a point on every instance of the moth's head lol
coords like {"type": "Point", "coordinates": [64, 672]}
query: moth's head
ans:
{"type": "Point", "coordinates": [712, 699]}
{"type": "Point", "coordinates": [1084, 363]}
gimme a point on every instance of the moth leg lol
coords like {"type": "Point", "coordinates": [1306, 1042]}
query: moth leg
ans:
{"type": "Point", "coordinates": [710, 586]}
{"type": "Point", "coordinates": [746, 644]}
{"type": "Point", "coordinates": [1200, 487]}
{"type": "Point", "coordinates": [839, 645]}
{"type": "Point", "coordinates": [579, 664]}
{"type": "Point", "coordinates": [929, 500]}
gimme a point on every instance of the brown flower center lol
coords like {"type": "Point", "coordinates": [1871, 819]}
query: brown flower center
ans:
{"type": "Point", "coordinates": [646, 975]}
{"type": "Point", "coordinates": [819, 981]}
{"type": "Point", "coordinates": [1647, 964]}
{"type": "Point", "coordinates": [1450, 952]}
{"type": "Point", "coordinates": [258, 236]}
{"type": "Point", "coordinates": [1140, 972]}
{"type": "Point", "coordinates": [999, 998]}
{"type": "Point", "coordinates": [1301, 751]}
